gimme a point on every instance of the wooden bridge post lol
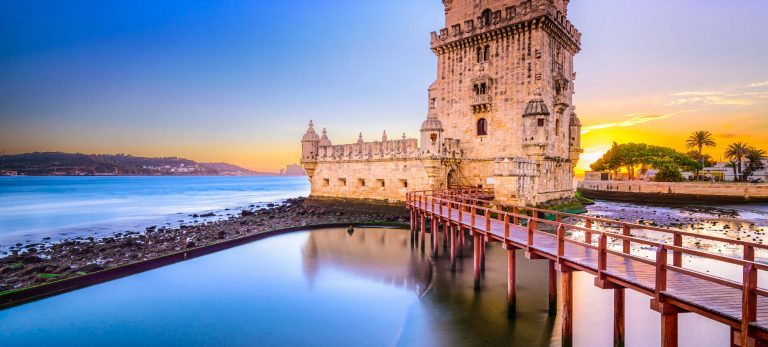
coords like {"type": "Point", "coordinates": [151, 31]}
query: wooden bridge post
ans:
{"type": "Point", "coordinates": [515, 218]}
{"type": "Point", "coordinates": [567, 314]}
{"type": "Point", "coordinates": [452, 231]}
{"type": "Point", "coordinates": [472, 215]}
{"type": "Point", "coordinates": [668, 327]}
{"type": "Point", "coordinates": [476, 243]}
{"type": "Point", "coordinates": [748, 302]}
{"type": "Point", "coordinates": [460, 235]}
{"type": "Point", "coordinates": [511, 300]}
{"type": "Point", "coordinates": [423, 228]}
{"type": "Point", "coordinates": [413, 225]}
{"type": "Point", "coordinates": [588, 234]}
{"type": "Point", "coordinates": [749, 252]}
{"type": "Point", "coordinates": [668, 312]}
{"type": "Point", "coordinates": [435, 235]}
{"type": "Point", "coordinates": [618, 317]}
{"type": "Point", "coordinates": [553, 289]}
{"type": "Point", "coordinates": [446, 226]}
{"type": "Point", "coordinates": [677, 256]}
{"type": "Point", "coordinates": [626, 231]}
{"type": "Point", "coordinates": [482, 253]}
{"type": "Point", "coordinates": [529, 239]}
{"type": "Point", "coordinates": [506, 227]}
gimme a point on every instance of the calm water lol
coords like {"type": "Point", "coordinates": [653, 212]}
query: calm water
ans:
{"type": "Point", "coordinates": [327, 287]}
{"type": "Point", "coordinates": [35, 207]}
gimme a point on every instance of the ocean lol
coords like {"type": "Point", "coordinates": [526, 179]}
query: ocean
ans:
{"type": "Point", "coordinates": [34, 208]}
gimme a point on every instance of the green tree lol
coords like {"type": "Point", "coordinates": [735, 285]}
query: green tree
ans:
{"type": "Point", "coordinates": [754, 162]}
{"type": "Point", "coordinates": [704, 159]}
{"type": "Point", "coordinates": [736, 152]}
{"type": "Point", "coordinates": [699, 140]}
{"type": "Point", "coordinates": [633, 156]}
{"type": "Point", "coordinates": [668, 172]}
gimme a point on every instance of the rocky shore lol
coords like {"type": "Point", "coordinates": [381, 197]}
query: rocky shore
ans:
{"type": "Point", "coordinates": [42, 262]}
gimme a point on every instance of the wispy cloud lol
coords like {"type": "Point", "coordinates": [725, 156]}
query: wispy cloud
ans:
{"type": "Point", "coordinates": [730, 97]}
{"type": "Point", "coordinates": [634, 119]}
{"type": "Point", "coordinates": [714, 99]}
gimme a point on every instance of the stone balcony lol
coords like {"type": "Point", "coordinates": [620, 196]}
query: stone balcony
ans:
{"type": "Point", "coordinates": [521, 167]}
{"type": "Point", "coordinates": [481, 103]}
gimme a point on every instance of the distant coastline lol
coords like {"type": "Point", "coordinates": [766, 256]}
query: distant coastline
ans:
{"type": "Point", "coordinates": [79, 164]}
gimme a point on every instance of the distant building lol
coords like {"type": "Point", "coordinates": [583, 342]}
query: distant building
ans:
{"type": "Point", "coordinates": [293, 170]}
{"type": "Point", "coordinates": [722, 171]}
{"type": "Point", "coordinates": [500, 114]}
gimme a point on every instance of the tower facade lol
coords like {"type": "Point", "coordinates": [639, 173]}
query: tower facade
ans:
{"type": "Point", "coordinates": [500, 113]}
{"type": "Point", "coordinates": [504, 87]}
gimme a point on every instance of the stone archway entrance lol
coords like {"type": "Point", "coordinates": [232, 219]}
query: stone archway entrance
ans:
{"type": "Point", "coordinates": [453, 179]}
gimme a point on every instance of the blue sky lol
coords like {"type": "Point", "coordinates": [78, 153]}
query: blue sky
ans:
{"type": "Point", "coordinates": [237, 81]}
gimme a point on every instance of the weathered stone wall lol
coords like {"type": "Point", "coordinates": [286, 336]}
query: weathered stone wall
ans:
{"type": "Point", "coordinates": [670, 192]}
{"type": "Point", "coordinates": [363, 179]}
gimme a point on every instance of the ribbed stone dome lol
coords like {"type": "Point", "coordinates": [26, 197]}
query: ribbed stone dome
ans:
{"type": "Point", "coordinates": [575, 122]}
{"type": "Point", "coordinates": [432, 124]}
{"type": "Point", "coordinates": [536, 107]}
{"type": "Point", "coordinates": [311, 135]}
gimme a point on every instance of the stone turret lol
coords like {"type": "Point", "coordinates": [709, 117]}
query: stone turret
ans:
{"type": "Point", "coordinates": [431, 135]}
{"type": "Point", "coordinates": [309, 149]}
{"type": "Point", "coordinates": [574, 138]}
{"type": "Point", "coordinates": [536, 119]}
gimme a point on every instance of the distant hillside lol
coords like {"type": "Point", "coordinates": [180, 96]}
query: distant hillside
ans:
{"type": "Point", "coordinates": [58, 163]}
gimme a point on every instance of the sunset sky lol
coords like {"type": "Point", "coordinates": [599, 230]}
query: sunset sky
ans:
{"type": "Point", "coordinates": [237, 81]}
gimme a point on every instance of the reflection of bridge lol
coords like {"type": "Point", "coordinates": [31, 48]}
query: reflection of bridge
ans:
{"type": "Point", "coordinates": [574, 245]}
{"type": "Point", "coordinates": [375, 254]}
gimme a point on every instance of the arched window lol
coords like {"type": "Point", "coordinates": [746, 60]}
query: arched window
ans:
{"type": "Point", "coordinates": [479, 54]}
{"type": "Point", "coordinates": [476, 89]}
{"type": "Point", "coordinates": [482, 127]}
{"type": "Point", "coordinates": [486, 53]}
{"type": "Point", "coordinates": [483, 89]}
{"type": "Point", "coordinates": [485, 18]}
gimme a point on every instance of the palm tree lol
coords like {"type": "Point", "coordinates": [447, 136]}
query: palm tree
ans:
{"type": "Point", "coordinates": [699, 140]}
{"type": "Point", "coordinates": [754, 158]}
{"type": "Point", "coordinates": [737, 151]}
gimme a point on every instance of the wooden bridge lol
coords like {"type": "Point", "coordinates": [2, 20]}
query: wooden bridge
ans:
{"type": "Point", "coordinates": [574, 243]}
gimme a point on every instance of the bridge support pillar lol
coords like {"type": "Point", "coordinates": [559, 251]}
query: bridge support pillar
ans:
{"type": "Point", "coordinates": [482, 253]}
{"type": "Point", "coordinates": [435, 236]}
{"type": "Point", "coordinates": [553, 288]}
{"type": "Point", "coordinates": [446, 228]}
{"type": "Point", "coordinates": [413, 225]}
{"type": "Point", "coordinates": [511, 295]}
{"type": "Point", "coordinates": [567, 310]}
{"type": "Point", "coordinates": [476, 238]}
{"type": "Point", "coordinates": [618, 317]}
{"type": "Point", "coordinates": [452, 230]}
{"type": "Point", "coordinates": [668, 322]}
{"type": "Point", "coordinates": [423, 220]}
{"type": "Point", "coordinates": [460, 235]}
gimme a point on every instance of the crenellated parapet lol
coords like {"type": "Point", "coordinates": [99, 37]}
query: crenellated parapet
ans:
{"type": "Point", "coordinates": [508, 20]}
{"type": "Point", "coordinates": [385, 149]}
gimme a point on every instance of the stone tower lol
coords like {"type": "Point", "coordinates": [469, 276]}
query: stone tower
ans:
{"type": "Point", "coordinates": [504, 88]}
{"type": "Point", "coordinates": [499, 114]}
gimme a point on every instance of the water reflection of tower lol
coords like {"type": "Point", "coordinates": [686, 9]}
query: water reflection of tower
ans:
{"type": "Point", "coordinates": [381, 255]}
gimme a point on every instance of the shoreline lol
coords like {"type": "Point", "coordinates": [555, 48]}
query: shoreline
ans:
{"type": "Point", "coordinates": [76, 257]}
{"type": "Point", "coordinates": [700, 193]}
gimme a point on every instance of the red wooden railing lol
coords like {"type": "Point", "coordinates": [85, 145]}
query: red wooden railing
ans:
{"type": "Point", "coordinates": [480, 202]}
